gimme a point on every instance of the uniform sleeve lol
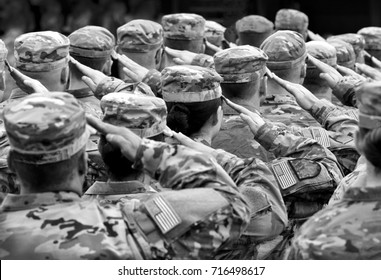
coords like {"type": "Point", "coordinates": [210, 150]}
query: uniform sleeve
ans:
{"type": "Point", "coordinates": [258, 185]}
{"type": "Point", "coordinates": [202, 212]}
{"type": "Point", "coordinates": [344, 91]}
{"type": "Point", "coordinates": [152, 78]}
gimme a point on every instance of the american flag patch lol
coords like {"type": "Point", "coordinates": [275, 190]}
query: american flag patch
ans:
{"type": "Point", "coordinates": [321, 136]}
{"type": "Point", "coordinates": [353, 114]}
{"type": "Point", "coordinates": [284, 175]}
{"type": "Point", "coordinates": [163, 214]}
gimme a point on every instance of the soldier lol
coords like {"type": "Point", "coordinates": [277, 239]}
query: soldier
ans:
{"type": "Point", "coordinates": [253, 30]}
{"type": "Point", "coordinates": [344, 52]}
{"type": "Point", "coordinates": [205, 212]}
{"type": "Point", "coordinates": [287, 59]}
{"type": "Point", "coordinates": [290, 19]}
{"type": "Point", "coordinates": [214, 33]}
{"type": "Point", "coordinates": [357, 41]}
{"type": "Point", "coordinates": [372, 36]}
{"type": "Point", "coordinates": [327, 54]}
{"type": "Point", "coordinates": [242, 69]}
{"type": "Point", "coordinates": [349, 229]}
{"type": "Point", "coordinates": [145, 116]}
{"type": "Point", "coordinates": [141, 41]}
{"type": "Point", "coordinates": [43, 56]}
{"type": "Point", "coordinates": [91, 46]}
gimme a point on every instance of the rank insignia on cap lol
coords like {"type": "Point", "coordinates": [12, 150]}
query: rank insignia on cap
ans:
{"type": "Point", "coordinates": [163, 214]}
{"type": "Point", "coordinates": [283, 174]}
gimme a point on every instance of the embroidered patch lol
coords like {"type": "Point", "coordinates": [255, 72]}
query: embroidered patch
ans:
{"type": "Point", "coordinates": [284, 174]}
{"type": "Point", "coordinates": [305, 168]}
{"type": "Point", "coordinates": [321, 136]}
{"type": "Point", "coordinates": [163, 214]}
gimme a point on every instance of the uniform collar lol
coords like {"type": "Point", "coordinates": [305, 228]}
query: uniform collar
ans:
{"type": "Point", "coordinates": [112, 188]}
{"type": "Point", "coordinates": [362, 193]}
{"type": "Point", "coordinates": [14, 202]}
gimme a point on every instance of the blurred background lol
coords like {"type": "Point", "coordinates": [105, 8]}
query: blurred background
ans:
{"type": "Point", "coordinates": [326, 16]}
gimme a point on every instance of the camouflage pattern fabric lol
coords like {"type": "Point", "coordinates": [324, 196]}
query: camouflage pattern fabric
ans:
{"type": "Point", "coordinates": [183, 26]}
{"type": "Point", "coordinates": [285, 49]}
{"type": "Point", "coordinates": [236, 137]}
{"type": "Point", "coordinates": [344, 52]}
{"type": "Point", "coordinates": [139, 36]}
{"type": "Point", "coordinates": [131, 229]}
{"type": "Point", "coordinates": [144, 115]}
{"type": "Point", "coordinates": [345, 90]}
{"type": "Point", "coordinates": [186, 83]}
{"type": "Point", "coordinates": [152, 79]}
{"type": "Point", "coordinates": [92, 41]}
{"type": "Point", "coordinates": [214, 32]}
{"type": "Point", "coordinates": [372, 36]}
{"type": "Point", "coordinates": [357, 41]}
{"type": "Point", "coordinates": [290, 19]}
{"type": "Point", "coordinates": [88, 101]}
{"type": "Point", "coordinates": [203, 60]}
{"type": "Point", "coordinates": [240, 64]}
{"type": "Point", "coordinates": [41, 51]}
{"type": "Point", "coordinates": [253, 30]}
{"type": "Point", "coordinates": [40, 142]}
{"type": "Point", "coordinates": [323, 51]}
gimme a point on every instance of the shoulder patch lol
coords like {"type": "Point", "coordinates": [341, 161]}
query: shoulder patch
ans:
{"type": "Point", "coordinates": [284, 174]}
{"type": "Point", "coordinates": [163, 214]}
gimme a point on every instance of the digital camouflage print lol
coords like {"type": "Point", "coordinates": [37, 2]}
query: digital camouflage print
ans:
{"type": "Point", "coordinates": [139, 36]}
{"type": "Point", "coordinates": [132, 229]}
{"type": "Point", "coordinates": [290, 19]}
{"type": "Point", "coordinates": [357, 41]}
{"type": "Point", "coordinates": [183, 26]}
{"type": "Point", "coordinates": [344, 52]}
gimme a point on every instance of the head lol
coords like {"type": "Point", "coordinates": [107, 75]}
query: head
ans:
{"type": "Point", "coordinates": [142, 41]}
{"type": "Point", "coordinates": [344, 52]}
{"type": "Point", "coordinates": [242, 69]}
{"type": "Point", "coordinates": [326, 53]}
{"type": "Point", "coordinates": [287, 55]}
{"type": "Point", "coordinates": [368, 138]}
{"type": "Point", "coordinates": [357, 41]}
{"type": "Point", "coordinates": [372, 36]}
{"type": "Point", "coordinates": [290, 19]}
{"type": "Point", "coordinates": [44, 56]}
{"type": "Point", "coordinates": [253, 30]}
{"type": "Point", "coordinates": [193, 97]}
{"type": "Point", "coordinates": [3, 56]}
{"type": "Point", "coordinates": [92, 46]}
{"type": "Point", "coordinates": [214, 33]}
{"type": "Point", "coordinates": [145, 115]}
{"type": "Point", "coordinates": [47, 135]}
{"type": "Point", "coordinates": [184, 32]}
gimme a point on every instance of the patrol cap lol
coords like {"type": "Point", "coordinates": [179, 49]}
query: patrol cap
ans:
{"type": "Point", "coordinates": [322, 51]}
{"type": "Point", "coordinates": [187, 84]}
{"type": "Point", "coordinates": [357, 41]}
{"type": "Point", "coordinates": [240, 64]}
{"type": "Point", "coordinates": [145, 115]}
{"type": "Point", "coordinates": [214, 32]}
{"type": "Point", "coordinates": [3, 51]}
{"type": "Point", "coordinates": [290, 19]}
{"type": "Point", "coordinates": [372, 36]}
{"type": "Point", "coordinates": [41, 51]}
{"type": "Point", "coordinates": [135, 88]}
{"type": "Point", "coordinates": [183, 26]}
{"type": "Point", "coordinates": [285, 49]}
{"type": "Point", "coordinates": [369, 104]}
{"type": "Point", "coordinates": [344, 52]}
{"type": "Point", "coordinates": [91, 41]}
{"type": "Point", "coordinates": [46, 128]}
{"type": "Point", "coordinates": [139, 36]}
{"type": "Point", "coordinates": [253, 30]}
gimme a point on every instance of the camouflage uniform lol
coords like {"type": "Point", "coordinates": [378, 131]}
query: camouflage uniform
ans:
{"type": "Point", "coordinates": [253, 30]}
{"type": "Point", "coordinates": [372, 36]}
{"type": "Point", "coordinates": [239, 65]}
{"type": "Point", "coordinates": [92, 42]}
{"type": "Point", "coordinates": [348, 229]}
{"type": "Point", "coordinates": [214, 33]}
{"type": "Point", "coordinates": [326, 53]}
{"type": "Point", "coordinates": [344, 52]}
{"type": "Point", "coordinates": [285, 49]}
{"type": "Point", "coordinates": [145, 116]}
{"type": "Point", "coordinates": [290, 19]}
{"type": "Point", "coordinates": [357, 41]}
{"type": "Point", "coordinates": [202, 213]}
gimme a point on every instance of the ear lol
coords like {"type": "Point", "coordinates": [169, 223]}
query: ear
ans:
{"type": "Point", "coordinates": [263, 87]}
{"type": "Point", "coordinates": [107, 67]}
{"type": "Point", "coordinates": [65, 75]}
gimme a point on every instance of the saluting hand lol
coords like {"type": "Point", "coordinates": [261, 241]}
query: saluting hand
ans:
{"type": "Point", "coordinates": [369, 71]}
{"type": "Point", "coordinates": [330, 74]}
{"type": "Point", "coordinates": [91, 77]}
{"type": "Point", "coordinates": [121, 137]}
{"type": "Point", "coordinates": [180, 57]}
{"type": "Point", "coordinates": [349, 72]}
{"type": "Point", "coordinates": [133, 70]}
